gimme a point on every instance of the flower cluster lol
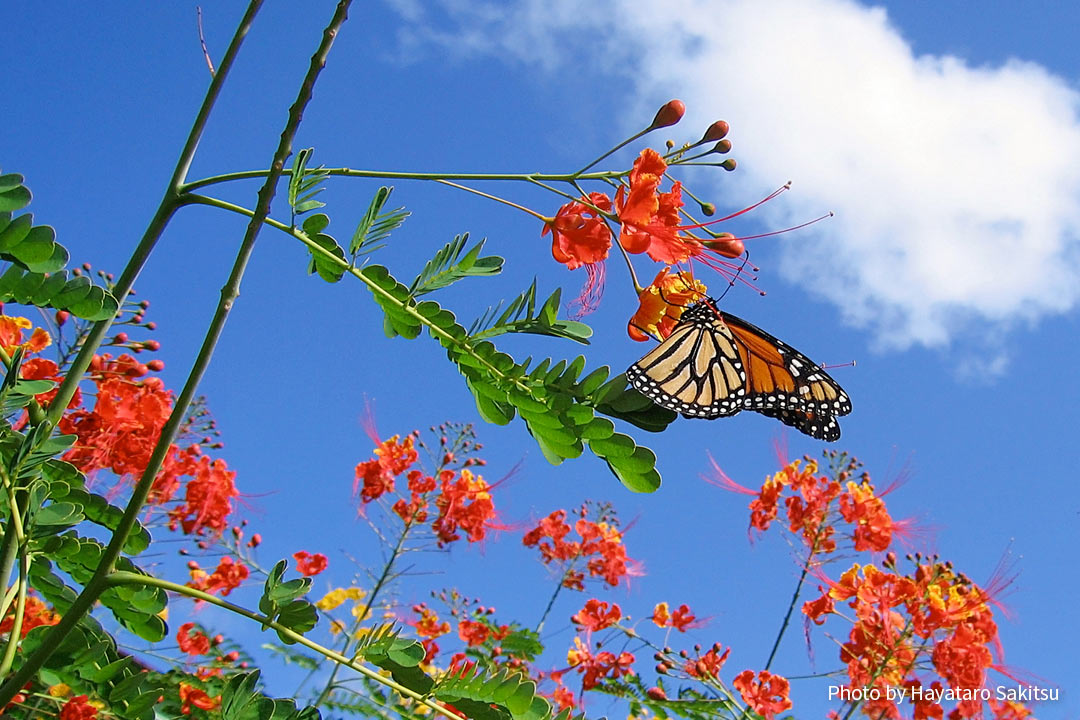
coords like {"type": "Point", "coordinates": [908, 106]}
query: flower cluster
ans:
{"type": "Point", "coordinates": [601, 544]}
{"type": "Point", "coordinates": [650, 220]}
{"type": "Point", "coordinates": [35, 614]}
{"type": "Point", "coordinates": [456, 500]}
{"type": "Point", "coordinates": [228, 576]}
{"type": "Point", "coordinates": [816, 504]}
{"type": "Point", "coordinates": [903, 620]}
{"type": "Point", "coordinates": [595, 667]}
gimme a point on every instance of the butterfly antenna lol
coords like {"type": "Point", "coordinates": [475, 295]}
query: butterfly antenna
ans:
{"type": "Point", "coordinates": [738, 274]}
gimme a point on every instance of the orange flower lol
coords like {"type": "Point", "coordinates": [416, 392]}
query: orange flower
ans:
{"type": "Point", "coordinates": [428, 625]}
{"type": "Point", "coordinates": [308, 565]}
{"type": "Point", "coordinates": [473, 633]}
{"type": "Point", "coordinates": [709, 664]}
{"type": "Point", "coordinates": [191, 696]}
{"type": "Point", "coordinates": [767, 695]}
{"type": "Point", "coordinates": [650, 219]}
{"type": "Point", "coordinates": [661, 304]}
{"type": "Point", "coordinates": [35, 614]}
{"type": "Point", "coordinates": [596, 616]}
{"type": "Point", "coordinates": [78, 708]}
{"type": "Point", "coordinates": [192, 641]}
{"type": "Point", "coordinates": [226, 578]}
{"type": "Point", "coordinates": [661, 614]}
{"type": "Point", "coordinates": [579, 235]}
{"type": "Point", "coordinates": [377, 476]}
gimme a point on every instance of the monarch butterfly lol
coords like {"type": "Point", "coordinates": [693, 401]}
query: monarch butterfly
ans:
{"type": "Point", "coordinates": [714, 365]}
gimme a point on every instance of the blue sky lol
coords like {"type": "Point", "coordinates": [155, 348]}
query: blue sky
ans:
{"type": "Point", "coordinates": [946, 141]}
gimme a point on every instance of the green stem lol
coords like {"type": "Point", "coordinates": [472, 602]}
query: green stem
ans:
{"type": "Point", "coordinates": [96, 585]}
{"type": "Point", "coordinates": [120, 577]}
{"type": "Point", "coordinates": [551, 600]}
{"type": "Point", "coordinates": [392, 175]}
{"type": "Point", "coordinates": [20, 611]}
{"type": "Point", "coordinates": [791, 605]}
{"type": "Point", "coordinates": [157, 224]}
{"type": "Point", "coordinates": [436, 331]}
{"type": "Point", "coordinates": [395, 553]}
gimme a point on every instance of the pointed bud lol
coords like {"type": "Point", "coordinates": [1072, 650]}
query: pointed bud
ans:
{"type": "Point", "coordinates": [671, 113]}
{"type": "Point", "coordinates": [656, 693]}
{"type": "Point", "coordinates": [717, 131]}
{"type": "Point", "coordinates": [729, 247]}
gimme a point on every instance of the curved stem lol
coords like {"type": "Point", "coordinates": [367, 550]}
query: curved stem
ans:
{"type": "Point", "coordinates": [790, 610]}
{"type": "Point", "coordinates": [120, 577]}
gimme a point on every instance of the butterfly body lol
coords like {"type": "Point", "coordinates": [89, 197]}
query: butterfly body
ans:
{"type": "Point", "coordinates": [715, 364]}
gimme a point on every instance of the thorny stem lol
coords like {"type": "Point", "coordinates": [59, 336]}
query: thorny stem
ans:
{"type": "Point", "coordinates": [99, 582]}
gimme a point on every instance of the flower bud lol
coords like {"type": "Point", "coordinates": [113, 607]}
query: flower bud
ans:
{"type": "Point", "coordinates": [120, 338]}
{"type": "Point", "coordinates": [722, 148]}
{"type": "Point", "coordinates": [255, 540]}
{"type": "Point", "coordinates": [217, 639]}
{"type": "Point", "coordinates": [61, 317]}
{"type": "Point", "coordinates": [656, 693]}
{"type": "Point", "coordinates": [155, 365]}
{"type": "Point", "coordinates": [708, 209]}
{"type": "Point", "coordinates": [729, 247]}
{"type": "Point", "coordinates": [669, 114]}
{"type": "Point", "coordinates": [728, 164]}
{"type": "Point", "coordinates": [661, 669]}
{"type": "Point", "coordinates": [717, 131]}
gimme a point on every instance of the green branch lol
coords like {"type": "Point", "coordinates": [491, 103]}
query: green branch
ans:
{"type": "Point", "coordinates": [128, 578]}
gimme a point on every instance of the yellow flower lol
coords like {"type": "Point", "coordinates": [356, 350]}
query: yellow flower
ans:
{"type": "Point", "coordinates": [59, 690]}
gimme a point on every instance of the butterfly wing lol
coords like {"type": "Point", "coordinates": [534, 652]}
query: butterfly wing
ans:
{"type": "Point", "coordinates": [715, 364]}
{"type": "Point", "coordinates": [780, 377]}
{"type": "Point", "coordinates": [818, 425]}
{"type": "Point", "coordinates": [697, 371]}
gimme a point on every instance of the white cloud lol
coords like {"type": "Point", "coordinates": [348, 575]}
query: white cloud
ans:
{"type": "Point", "coordinates": [956, 188]}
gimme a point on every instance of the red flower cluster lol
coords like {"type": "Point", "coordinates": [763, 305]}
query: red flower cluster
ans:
{"type": "Point", "coordinates": [35, 614]}
{"type": "Point", "coordinates": [596, 616]}
{"type": "Point", "coordinates": [903, 620]}
{"type": "Point", "coordinates": [681, 619]}
{"type": "Point", "coordinates": [462, 502]}
{"type": "Point", "coordinates": [192, 641]}
{"type": "Point", "coordinates": [596, 667]}
{"type": "Point", "coordinates": [816, 504]}
{"type": "Point", "coordinates": [227, 577]}
{"type": "Point", "coordinates": [308, 565]}
{"type": "Point", "coordinates": [429, 626]}
{"type": "Point", "coordinates": [600, 542]}
{"type": "Point", "coordinates": [78, 708]}
{"type": "Point", "coordinates": [191, 696]}
{"type": "Point", "coordinates": [707, 666]}
{"type": "Point", "coordinates": [766, 695]}
{"type": "Point", "coordinates": [478, 632]}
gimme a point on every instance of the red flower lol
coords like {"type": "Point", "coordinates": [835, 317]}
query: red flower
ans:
{"type": "Point", "coordinates": [192, 642]}
{"type": "Point", "coordinates": [378, 475]}
{"type": "Point", "coordinates": [207, 499]}
{"type": "Point", "coordinates": [35, 614]}
{"type": "Point", "coordinates": [473, 633]}
{"type": "Point", "coordinates": [709, 664]}
{"type": "Point", "coordinates": [767, 695]}
{"type": "Point", "coordinates": [310, 564]}
{"type": "Point", "coordinates": [77, 708]}
{"type": "Point", "coordinates": [194, 697]}
{"type": "Point", "coordinates": [226, 578]}
{"type": "Point", "coordinates": [661, 304]}
{"type": "Point", "coordinates": [579, 235]}
{"type": "Point", "coordinates": [596, 616]}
